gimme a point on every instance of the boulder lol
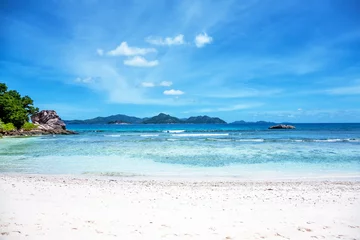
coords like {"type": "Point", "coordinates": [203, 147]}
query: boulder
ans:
{"type": "Point", "coordinates": [48, 120]}
{"type": "Point", "coordinates": [282, 126]}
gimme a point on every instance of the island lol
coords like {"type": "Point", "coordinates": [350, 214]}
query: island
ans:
{"type": "Point", "coordinates": [161, 118]}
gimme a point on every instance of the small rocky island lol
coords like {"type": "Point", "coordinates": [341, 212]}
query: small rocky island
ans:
{"type": "Point", "coordinates": [46, 122]}
{"type": "Point", "coordinates": [282, 126]}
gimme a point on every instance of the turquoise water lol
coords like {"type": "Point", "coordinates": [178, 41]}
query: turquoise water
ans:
{"type": "Point", "coordinates": [242, 151]}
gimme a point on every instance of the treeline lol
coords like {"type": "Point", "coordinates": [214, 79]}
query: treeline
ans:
{"type": "Point", "coordinates": [15, 110]}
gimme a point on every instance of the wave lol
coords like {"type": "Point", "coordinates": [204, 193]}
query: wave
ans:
{"type": "Point", "coordinates": [250, 140]}
{"type": "Point", "coordinates": [337, 140]}
{"type": "Point", "coordinates": [112, 135]}
{"type": "Point", "coordinates": [174, 131]}
{"type": "Point", "coordinates": [220, 139]}
{"type": "Point", "coordinates": [149, 135]}
{"type": "Point", "coordinates": [200, 134]}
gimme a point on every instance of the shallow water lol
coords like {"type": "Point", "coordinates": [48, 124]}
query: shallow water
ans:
{"type": "Point", "coordinates": [242, 151]}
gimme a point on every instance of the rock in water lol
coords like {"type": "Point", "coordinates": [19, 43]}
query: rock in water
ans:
{"type": "Point", "coordinates": [282, 126]}
{"type": "Point", "coordinates": [48, 120]}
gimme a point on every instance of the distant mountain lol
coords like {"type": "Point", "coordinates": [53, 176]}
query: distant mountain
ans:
{"type": "Point", "coordinates": [258, 122]}
{"type": "Point", "coordinates": [162, 118]}
{"type": "Point", "coordinates": [105, 120]}
{"type": "Point", "coordinates": [204, 120]}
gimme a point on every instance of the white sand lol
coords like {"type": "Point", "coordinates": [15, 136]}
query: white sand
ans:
{"type": "Point", "coordinates": [58, 207]}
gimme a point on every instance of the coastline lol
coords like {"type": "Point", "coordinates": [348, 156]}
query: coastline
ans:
{"type": "Point", "coordinates": [92, 207]}
{"type": "Point", "coordinates": [36, 132]}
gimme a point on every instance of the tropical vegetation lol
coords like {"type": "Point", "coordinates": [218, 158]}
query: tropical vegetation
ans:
{"type": "Point", "coordinates": [15, 109]}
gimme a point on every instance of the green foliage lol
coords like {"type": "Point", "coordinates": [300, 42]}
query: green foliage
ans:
{"type": "Point", "coordinates": [14, 108]}
{"type": "Point", "coordinates": [6, 127]}
{"type": "Point", "coordinates": [28, 126]}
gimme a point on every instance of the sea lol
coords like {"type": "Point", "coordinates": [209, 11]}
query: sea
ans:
{"type": "Point", "coordinates": [246, 151]}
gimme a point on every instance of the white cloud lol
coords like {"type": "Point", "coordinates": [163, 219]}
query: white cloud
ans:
{"type": "Point", "coordinates": [165, 83]}
{"type": "Point", "coordinates": [148, 84]}
{"type": "Point", "coordinates": [152, 84]}
{"type": "Point", "coordinates": [202, 39]}
{"type": "Point", "coordinates": [177, 40]}
{"type": "Point", "coordinates": [173, 92]}
{"type": "Point", "coordinates": [124, 50]}
{"type": "Point", "coordinates": [138, 61]}
{"type": "Point", "coordinates": [86, 80]}
{"type": "Point", "coordinates": [100, 52]}
{"type": "Point", "coordinates": [344, 90]}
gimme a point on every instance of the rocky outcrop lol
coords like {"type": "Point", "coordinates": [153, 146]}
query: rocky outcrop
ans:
{"type": "Point", "coordinates": [35, 132]}
{"type": "Point", "coordinates": [48, 122]}
{"type": "Point", "coordinates": [282, 126]}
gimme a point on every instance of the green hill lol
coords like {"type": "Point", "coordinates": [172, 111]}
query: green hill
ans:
{"type": "Point", "coordinates": [106, 120]}
{"type": "Point", "coordinates": [161, 119]}
{"type": "Point", "coordinates": [205, 120]}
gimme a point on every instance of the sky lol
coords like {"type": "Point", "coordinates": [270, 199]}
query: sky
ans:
{"type": "Point", "coordinates": [282, 61]}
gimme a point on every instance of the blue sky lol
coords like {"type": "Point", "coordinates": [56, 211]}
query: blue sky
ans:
{"type": "Point", "coordinates": [296, 61]}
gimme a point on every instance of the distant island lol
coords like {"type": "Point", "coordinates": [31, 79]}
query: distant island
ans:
{"type": "Point", "coordinates": [162, 118]}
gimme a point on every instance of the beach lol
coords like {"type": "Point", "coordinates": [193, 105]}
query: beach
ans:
{"type": "Point", "coordinates": [89, 207]}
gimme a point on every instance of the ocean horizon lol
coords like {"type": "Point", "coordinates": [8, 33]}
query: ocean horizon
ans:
{"type": "Point", "coordinates": [249, 151]}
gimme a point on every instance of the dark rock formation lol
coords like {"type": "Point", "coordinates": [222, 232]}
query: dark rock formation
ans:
{"type": "Point", "coordinates": [282, 126]}
{"type": "Point", "coordinates": [48, 122]}
{"type": "Point", "coordinates": [36, 132]}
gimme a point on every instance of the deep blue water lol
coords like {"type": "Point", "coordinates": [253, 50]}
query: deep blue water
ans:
{"type": "Point", "coordinates": [248, 151]}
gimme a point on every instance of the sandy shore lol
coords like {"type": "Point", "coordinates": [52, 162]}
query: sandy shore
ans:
{"type": "Point", "coordinates": [64, 207]}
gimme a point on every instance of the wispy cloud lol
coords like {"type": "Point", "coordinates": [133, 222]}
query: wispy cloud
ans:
{"type": "Point", "coordinates": [125, 50]}
{"type": "Point", "coordinates": [85, 80]}
{"type": "Point", "coordinates": [202, 39]}
{"type": "Point", "coordinates": [173, 92]}
{"type": "Point", "coordinates": [148, 84]}
{"type": "Point", "coordinates": [152, 84]}
{"type": "Point", "coordinates": [353, 90]}
{"type": "Point", "coordinates": [165, 83]}
{"type": "Point", "coordinates": [177, 40]}
{"type": "Point", "coordinates": [100, 52]}
{"type": "Point", "coordinates": [139, 61]}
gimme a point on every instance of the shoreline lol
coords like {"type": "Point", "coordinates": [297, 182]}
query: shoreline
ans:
{"type": "Point", "coordinates": [73, 207]}
{"type": "Point", "coordinates": [36, 132]}
{"type": "Point", "coordinates": [185, 178]}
